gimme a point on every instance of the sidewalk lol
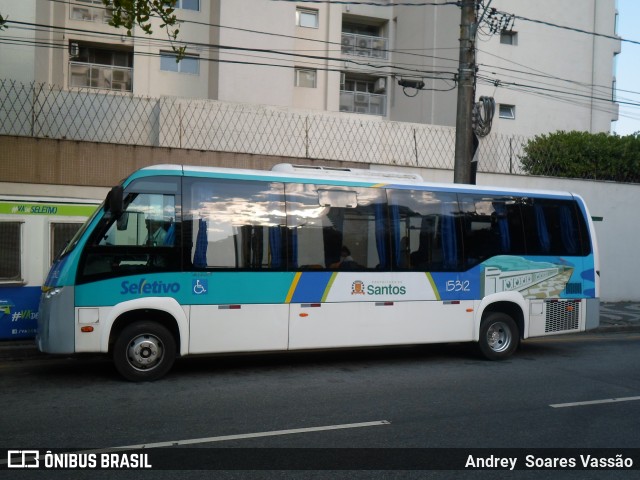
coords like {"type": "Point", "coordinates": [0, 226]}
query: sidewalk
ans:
{"type": "Point", "coordinates": [614, 317]}
{"type": "Point", "coordinates": [622, 316]}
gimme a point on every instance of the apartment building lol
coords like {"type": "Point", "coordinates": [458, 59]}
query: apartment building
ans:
{"type": "Point", "coordinates": [343, 58]}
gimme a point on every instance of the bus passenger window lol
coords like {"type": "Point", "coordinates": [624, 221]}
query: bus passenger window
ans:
{"type": "Point", "coordinates": [492, 226]}
{"type": "Point", "coordinates": [424, 230]}
{"type": "Point", "coordinates": [235, 224]}
{"type": "Point", "coordinates": [326, 222]}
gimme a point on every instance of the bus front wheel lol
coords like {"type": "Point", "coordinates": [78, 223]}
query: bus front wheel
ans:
{"type": "Point", "coordinates": [499, 336]}
{"type": "Point", "coordinates": [144, 351]}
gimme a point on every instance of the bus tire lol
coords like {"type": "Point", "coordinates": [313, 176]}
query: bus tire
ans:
{"type": "Point", "coordinates": [144, 351]}
{"type": "Point", "coordinates": [499, 336]}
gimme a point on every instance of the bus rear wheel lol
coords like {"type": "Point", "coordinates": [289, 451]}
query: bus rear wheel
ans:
{"type": "Point", "coordinates": [499, 336]}
{"type": "Point", "coordinates": [144, 351]}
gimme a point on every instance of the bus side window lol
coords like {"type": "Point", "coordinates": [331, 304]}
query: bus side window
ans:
{"type": "Point", "coordinates": [327, 221]}
{"type": "Point", "coordinates": [492, 226]}
{"type": "Point", "coordinates": [424, 230]}
{"type": "Point", "coordinates": [554, 227]}
{"type": "Point", "coordinates": [235, 224]}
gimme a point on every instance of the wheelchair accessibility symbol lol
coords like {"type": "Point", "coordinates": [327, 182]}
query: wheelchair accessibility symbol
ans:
{"type": "Point", "coordinates": [200, 286]}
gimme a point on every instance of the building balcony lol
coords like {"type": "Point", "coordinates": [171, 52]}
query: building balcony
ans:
{"type": "Point", "coordinates": [105, 77]}
{"type": "Point", "coordinates": [361, 102]}
{"type": "Point", "coordinates": [88, 13]}
{"type": "Point", "coordinates": [364, 45]}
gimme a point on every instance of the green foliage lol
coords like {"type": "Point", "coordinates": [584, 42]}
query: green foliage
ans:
{"type": "Point", "coordinates": [584, 155]}
{"type": "Point", "coordinates": [128, 13]}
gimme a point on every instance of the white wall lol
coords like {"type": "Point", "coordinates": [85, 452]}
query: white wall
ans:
{"type": "Point", "coordinates": [18, 61]}
{"type": "Point", "coordinates": [545, 56]}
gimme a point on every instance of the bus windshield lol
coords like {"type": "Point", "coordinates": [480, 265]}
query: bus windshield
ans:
{"type": "Point", "coordinates": [74, 240]}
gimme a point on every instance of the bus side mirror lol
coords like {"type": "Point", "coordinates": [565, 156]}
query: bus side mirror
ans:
{"type": "Point", "coordinates": [123, 221]}
{"type": "Point", "coordinates": [114, 201]}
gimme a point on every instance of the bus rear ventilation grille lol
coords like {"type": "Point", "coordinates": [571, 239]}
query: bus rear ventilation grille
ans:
{"type": "Point", "coordinates": [562, 316]}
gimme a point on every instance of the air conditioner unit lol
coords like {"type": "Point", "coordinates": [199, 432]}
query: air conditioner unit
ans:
{"type": "Point", "coordinates": [119, 76]}
{"type": "Point", "coordinates": [380, 85]}
{"type": "Point", "coordinates": [377, 48]}
{"type": "Point", "coordinates": [348, 43]}
{"type": "Point", "coordinates": [363, 43]}
{"type": "Point", "coordinates": [362, 98]}
{"type": "Point", "coordinates": [378, 44]}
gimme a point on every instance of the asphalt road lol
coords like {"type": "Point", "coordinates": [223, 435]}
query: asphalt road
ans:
{"type": "Point", "coordinates": [579, 392]}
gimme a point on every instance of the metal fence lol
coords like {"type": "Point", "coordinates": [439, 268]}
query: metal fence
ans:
{"type": "Point", "coordinates": [40, 110]}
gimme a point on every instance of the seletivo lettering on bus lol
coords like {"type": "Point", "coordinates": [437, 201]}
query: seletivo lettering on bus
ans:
{"type": "Point", "coordinates": [144, 287]}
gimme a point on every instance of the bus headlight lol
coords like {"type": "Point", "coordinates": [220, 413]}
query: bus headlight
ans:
{"type": "Point", "coordinates": [52, 293]}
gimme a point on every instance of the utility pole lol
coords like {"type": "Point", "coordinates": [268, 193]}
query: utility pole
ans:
{"type": "Point", "coordinates": [466, 93]}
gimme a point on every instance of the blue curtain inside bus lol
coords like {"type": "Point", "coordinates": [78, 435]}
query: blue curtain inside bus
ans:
{"type": "Point", "coordinates": [449, 240]}
{"type": "Point", "coordinates": [543, 232]}
{"type": "Point", "coordinates": [381, 233]}
{"type": "Point", "coordinates": [567, 230]}
{"type": "Point", "coordinates": [275, 246]}
{"type": "Point", "coordinates": [503, 226]}
{"type": "Point", "coordinates": [200, 255]}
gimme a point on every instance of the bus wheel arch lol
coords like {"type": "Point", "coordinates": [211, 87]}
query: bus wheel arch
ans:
{"type": "Point", "coordinates": [501, 328]}
{"type": "Point", "coordinates": [144, 344]}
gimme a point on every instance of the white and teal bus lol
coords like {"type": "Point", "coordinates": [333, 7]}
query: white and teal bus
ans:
{"type": "Point", "coordinates": [195, 260]}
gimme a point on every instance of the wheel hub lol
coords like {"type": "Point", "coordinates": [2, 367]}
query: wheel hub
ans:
{"type": "Point", "coordinates": [498, 337]}
{"type": "Point", "coordinates": [144, 351]}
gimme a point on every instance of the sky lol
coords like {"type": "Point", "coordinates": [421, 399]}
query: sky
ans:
{"type": "Point", "coordinates": [628, 67]}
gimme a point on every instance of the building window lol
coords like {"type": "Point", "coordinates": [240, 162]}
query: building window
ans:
{"type": "Point", "coordinates": [61, 234]}
{"type": "Point", "coordinates": [102, 68]}
{"type": "Point", "coordinates": [508, 37]}
{"type": "Point", "coordinates": [10, 251]}
{"type": "Point", "coordinates": [306, 18]}
{"type": "Point", "coordinates": [188, 4]}
{"type": "Point", "coordinates": [507, 111]}
{"type": "Point", "coordinates": [306, 77]}
{"type": "Point", "coordinates": [189, 64]}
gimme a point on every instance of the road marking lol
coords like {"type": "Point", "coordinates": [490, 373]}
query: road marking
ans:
{"type": "Point", "coordinates": [225, 438]}
{"type": "Point", "coordinates": [595, 402]}
{"type": "Point", "coordinates": [272, 433]}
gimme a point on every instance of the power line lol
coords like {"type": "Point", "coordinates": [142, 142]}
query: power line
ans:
{"type": "Point", "coordinates": [398, 70]}
{"type": "Point", "coordinates": [374, 4]}
{"type": "Point", "coordinates": [395, 72]}
{"type": "Point", "coordinates": [573, 29]}
{"type": "Point", "coordinates": [551, 90]}
{"type": "Point", "coordinates": [409, 51]}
